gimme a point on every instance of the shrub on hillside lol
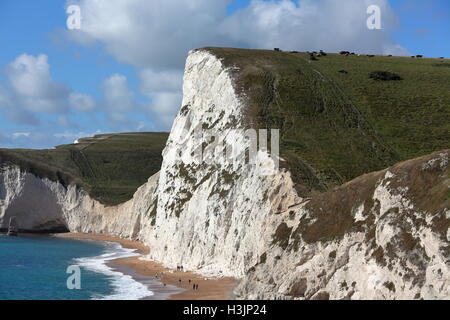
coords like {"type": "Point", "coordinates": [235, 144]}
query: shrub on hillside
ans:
{"type": "Point", "coordinates": [384, 76]}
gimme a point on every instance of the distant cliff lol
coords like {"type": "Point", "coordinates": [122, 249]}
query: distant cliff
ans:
{"type": "Point", "coordinates": [332, 223]}
{"type": "Point", "coordinates": [109, 167]}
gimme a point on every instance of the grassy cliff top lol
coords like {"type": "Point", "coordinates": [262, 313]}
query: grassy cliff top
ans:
{"type": "Point", "coordinates": [110, 167]}
{"type": "Point", "coordinates": [337, 120]}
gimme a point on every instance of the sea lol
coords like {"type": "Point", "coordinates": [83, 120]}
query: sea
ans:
{"type": "Point", "coordinates": [51, 268]}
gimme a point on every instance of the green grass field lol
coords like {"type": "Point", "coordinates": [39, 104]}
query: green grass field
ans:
{"type": "Point", "coordinates": [336, 126]}
{"type": "Point", "coordinates": [109, 167]}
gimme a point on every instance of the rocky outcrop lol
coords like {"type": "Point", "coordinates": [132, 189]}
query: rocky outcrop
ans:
{"type": "Point", "coordinates": [41, 205]}
{"type": "Point", "coordinates": [384, 235]}
{"type": "Point", "coordinates": [211, 213]}
{"type": "Point", "coordinates": [31, 200]}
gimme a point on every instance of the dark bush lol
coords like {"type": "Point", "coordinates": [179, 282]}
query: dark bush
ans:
{"type": "Point", "coordinates": [384, 76]}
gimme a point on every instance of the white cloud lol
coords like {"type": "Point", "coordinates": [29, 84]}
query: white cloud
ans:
{"type": "Point", "coordinates": [5, 100]}
{"type": "Point", "coordinates": [154, 33]}
{"type": "Point", "coordinates": [22, 116]}
{"type": "Point", "coordinates": [163, 87]}
{"type": "Point", "coordinates": [40, 139]}
{"type": "Point", "coordinates": [312, 25]}
{"type": "Point", "coordinates": [160, 81]}
{"type": "Point", "coordinates": [166, 103]}
{"type": "Point", "coordinates": [64, 122]}
{"type": "Point", "coordinates": [21, 134]}
{"type": "Point", "coordinates": [121, 122]}
{"type": "Point", "coordinates": [81, 102]}
{"type": "Point", "coordinates": [33, 86]}
{"type": "Point", "coordinates": [30, 91]}
{"type": "Point", "coordinates": [118, 96]}
{"type": "Point", "coordinates": [155, 36]}
{"type": "Point", "coordinates": [30, 140]}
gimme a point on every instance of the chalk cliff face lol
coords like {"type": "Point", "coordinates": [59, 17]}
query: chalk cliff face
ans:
{"type": "Point", "coordinates": [384, 235]}
{"type": "Point", "coordinates": [41, 205]}
{"type": "Point", "coordinates": [211, 213]}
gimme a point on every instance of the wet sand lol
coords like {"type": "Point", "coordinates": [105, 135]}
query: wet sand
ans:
{"type": "Point", "coordinates": [208, 288]}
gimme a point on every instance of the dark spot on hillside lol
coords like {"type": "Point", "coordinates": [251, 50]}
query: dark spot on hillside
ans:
{"type": "Point", "coordinates": [384, 76]}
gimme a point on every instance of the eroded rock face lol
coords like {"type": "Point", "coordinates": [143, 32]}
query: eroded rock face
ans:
{"type": "Point", "coordinates": [21, 194]}
{"type": "Point", "coordinates": [212, 213]}
{"type": "Point", "coordinates": [43, 205]}
{"type": "Point", "coordinates": [384, 235]}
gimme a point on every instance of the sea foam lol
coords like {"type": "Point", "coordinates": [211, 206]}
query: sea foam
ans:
{"type": "Point", "coordinates": [124, 286]}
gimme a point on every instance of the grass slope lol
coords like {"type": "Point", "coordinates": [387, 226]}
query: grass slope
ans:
{"type": "Point", "coordinates": [336, 126]}
{"type": "Point", "coordinates": [109, 167]}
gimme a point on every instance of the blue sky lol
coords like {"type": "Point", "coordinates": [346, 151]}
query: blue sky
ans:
{"type": "Point", "coordinates": [108, 62]}
{"type": "Point", "coordinates": [424, 26]}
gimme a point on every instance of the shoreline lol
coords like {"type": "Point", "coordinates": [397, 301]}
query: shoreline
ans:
{"type": "Point", "coordinates": [142, 270]}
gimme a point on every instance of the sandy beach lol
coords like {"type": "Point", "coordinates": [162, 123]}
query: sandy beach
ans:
{"type": "Point", "coordinates": [208, 288]}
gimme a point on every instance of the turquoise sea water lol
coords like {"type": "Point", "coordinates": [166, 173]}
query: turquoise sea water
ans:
{"type": "Point", "coordinates": [35, 268]}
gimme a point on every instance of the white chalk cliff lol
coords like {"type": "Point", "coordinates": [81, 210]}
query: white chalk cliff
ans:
{"type": "Point", "coordinates": [226, 219]}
